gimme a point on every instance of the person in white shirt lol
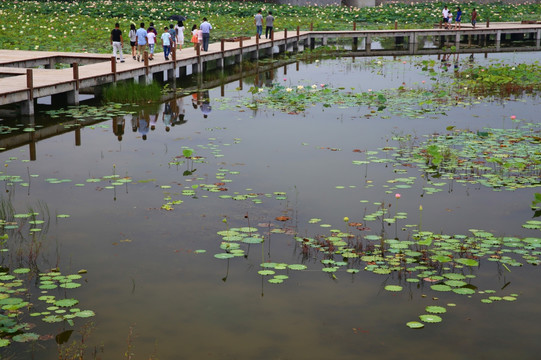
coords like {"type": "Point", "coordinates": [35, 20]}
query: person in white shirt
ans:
{"type": "Point", "coordinates": [445, 15]}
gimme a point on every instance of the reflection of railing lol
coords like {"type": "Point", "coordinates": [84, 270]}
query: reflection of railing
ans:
{"type": "Point", "coordinates": [15, 140]}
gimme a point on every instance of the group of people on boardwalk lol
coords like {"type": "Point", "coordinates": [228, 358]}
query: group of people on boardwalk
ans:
{"type": "Point", "coordinates": [172, 39]}
{"type": "Point", "coordinates": [447, 18]}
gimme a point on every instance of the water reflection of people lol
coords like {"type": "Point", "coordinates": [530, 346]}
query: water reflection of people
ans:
{"type": "Point", "coordinates": [195, 100]}
{"type": "Point", "coordinates": [119, 123]}
{"type": "Point", "coordinates": [166, 116]}
{"type": "Point", "coordinates": [152, 119]}
{"type": "Point", "coordinates": [177, 118]}
{"type": "Point", "coordinates": [143, 125]}
{"type": "Point", "coordinates": [134, 123]}
{"type": "Point", "coordinates": [205, 104]}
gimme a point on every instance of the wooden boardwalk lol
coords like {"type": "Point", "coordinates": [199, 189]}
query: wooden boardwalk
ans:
{"type": "Point", "coordinates": [28, 75]}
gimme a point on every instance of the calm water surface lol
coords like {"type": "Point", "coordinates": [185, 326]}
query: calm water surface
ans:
{"type": "Point", "coordinates": [144, 277]}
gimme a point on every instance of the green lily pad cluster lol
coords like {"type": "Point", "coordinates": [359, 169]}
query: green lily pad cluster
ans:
{"type": "Point", "coordinates": [15, 303]}
{"type": "Point", "coordinates": [496, 158]}
{"type": "Point", "coordinates": [438, 263]}
{"type": "Point", "coordinates": [501, 79]}
{"type": "Point", "coordinates": [410, 102]}
{"type": "Point", "coordinates": [92, 113]}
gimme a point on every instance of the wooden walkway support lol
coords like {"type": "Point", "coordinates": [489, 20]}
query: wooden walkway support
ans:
{"type": "Point", "coordinates": [28, 75]}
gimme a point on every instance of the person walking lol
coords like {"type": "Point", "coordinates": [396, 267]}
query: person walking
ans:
{"type": "Point", "coordinates": [166, 42]}
{"type": "Point", "coordinates": [474, 17]}
{"type": "Point", "coordinates": [270, 25]}
{"type": "Point", "coordinates": [195, 37]}
{"type": "Point", "coordinates": [179, 31]}
{"type": "Point", "coordinates": [445, 16]}
{"type": "Point", "coordinates": [173, 34]}
{"type": "Point", "coordinates": [205, 28]}
{"type": "Point", "coordinates": [151, 39]}
{"type": "Point", "coordinates": [116, 41]}
{"type": "Point", "coordinates": [258, 21]}
{"type": "Point", "coordinates": [133, 39]}
{"type": "Point", "coordinates": [458, 18]}
{"type": "Point", "coordinates": [141, 36]}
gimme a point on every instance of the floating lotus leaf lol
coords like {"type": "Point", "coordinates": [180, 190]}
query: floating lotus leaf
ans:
{"type": "Point", "coordinates": [330, 269]}
{"type": "Point", "coordinates": [415, 325]}
{"type": "Point", "coordinates": [435, 309]}
{"type": "Point", "coordinates": [53, 318]}
{"type": "Point", "coordinates": [200, 251]}
{"type": "Point", "coordinates": [66, 302]}
{"type": "Point", "coordinates": [393, 288]}
{"type": "Point", "coordinates": [440, 287]}
{"type": "Point", "coordinates": [275, 281]}
{"type": "Point", "coordinates": [456, 283]}
{"type": "Point", "coordinates": [281, 277]}
{"type": "Point", "coordinates": [467, 262]}
{"type": "Point", "coordinates": [4, 342]}
{"type": "Point", "coordinates": [297, 266]}
{"type": "Point", "coordinates": [509, 298]}
{"type": "Point", "coordinates": [21, 271]}
{"type": "Point", "coordinates": [454, 276]}
{"type": "Point", "coordinates": [352, 271]}
{"type": "Point", "coordinates": [252, 240]}
{"type": "Point", "coordinates": [224, 256]}
{"type": "Point", "coordinates": [85, 313]}
{"type": "Point", "coordinates": [464, 291]}
{"type": "Point", "coordinates": [428, 318]}
{"type": "Point", "coordinates": [266, 272]}
{"type": "Point", "coordinates": [70, 285]}
{"type": "Point", "coordinates": [11, 301]}
{"type": "Point", "coordinates": [26, 337]}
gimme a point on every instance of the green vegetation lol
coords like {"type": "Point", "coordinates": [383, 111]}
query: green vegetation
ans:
{"type": "Point", "coordinates": [85, 25]}
{"type": "Point", "coordinates": [130, 92]}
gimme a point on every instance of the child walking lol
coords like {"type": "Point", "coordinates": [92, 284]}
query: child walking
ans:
{"type": "Point", "coordinates": [195, 37]}
{"type": "Point", "coordinates": [166, 42]}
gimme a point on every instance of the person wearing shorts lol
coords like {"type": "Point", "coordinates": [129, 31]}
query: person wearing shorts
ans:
{"type": "Point", "coordinates": [133, 39]}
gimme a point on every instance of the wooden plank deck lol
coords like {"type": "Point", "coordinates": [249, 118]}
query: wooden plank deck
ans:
{"type": "Point", "coordinates": [98, 69]}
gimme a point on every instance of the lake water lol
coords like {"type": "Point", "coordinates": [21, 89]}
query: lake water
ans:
{"type": "Point", "coordinates": [156, 296]}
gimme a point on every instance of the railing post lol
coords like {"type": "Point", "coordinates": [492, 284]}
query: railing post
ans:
{"type": "Point", "coordinates": [285, 34]}
{"type": "Point", "coordinates": [222, 46]}
{"type": "Point", "coordinates": [76, 75]}
{"type": "Point", "coordinates": [354, 26]}
{"type": "Point", "coordinates": [311, 26]}
{"type": "Point", "coordinates": [241, 44]}
{"type": "Point", "coordinates": [145, 58]}
{"type": "Point", "coordinates": [30, 83]}
{"type": "Point", "coordinates": [396, 24]}
{"type": "Point", "coordinates": [113, 64]}
{"type": "Point", "coordinates": [174, 55]}
{"type": "Point", "coordinates": [488, 22]}
{"type": "Point", "coordinates": [298, 31]}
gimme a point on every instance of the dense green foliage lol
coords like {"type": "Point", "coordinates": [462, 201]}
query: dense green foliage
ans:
{"type": "Point", "coordinates": [85, 25]}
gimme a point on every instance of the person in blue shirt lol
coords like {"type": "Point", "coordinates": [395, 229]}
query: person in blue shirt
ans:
{"type": "Point", "coordinates": [458, 18]}
{"type": "Point", "coordinates": [141, 39]}
{"type": "Point", "coordinates": [205, 28]}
